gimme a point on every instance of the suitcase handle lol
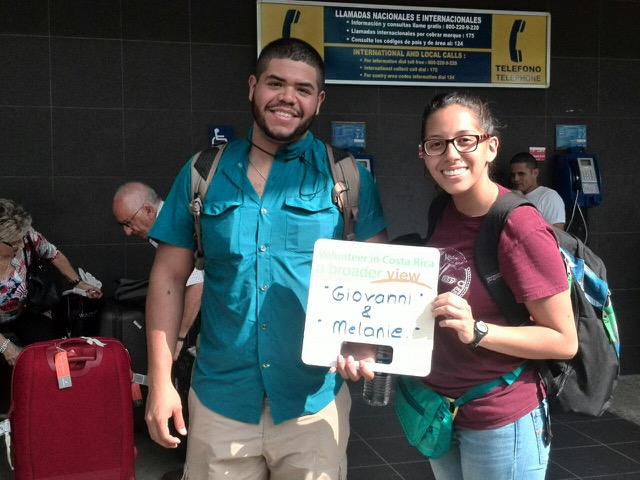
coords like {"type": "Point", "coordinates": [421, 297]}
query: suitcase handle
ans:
{"type": "Point", "coordinates": [82, 358]}
{"type": "Point", "coordinates": [85, 356]}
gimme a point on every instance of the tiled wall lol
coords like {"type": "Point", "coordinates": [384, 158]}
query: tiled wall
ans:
{"type": "Point", "coordinates": [97, 92]}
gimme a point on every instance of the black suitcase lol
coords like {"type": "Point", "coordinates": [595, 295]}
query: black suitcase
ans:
{"type": "Point", "coordinates": [125, 322]}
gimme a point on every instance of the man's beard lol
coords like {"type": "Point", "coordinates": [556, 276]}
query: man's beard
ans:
{"type": "Point", "coordinates": [282, 138]}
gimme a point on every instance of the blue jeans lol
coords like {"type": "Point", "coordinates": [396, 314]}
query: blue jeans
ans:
{"type": "Point", "coordinates": [517, 451]}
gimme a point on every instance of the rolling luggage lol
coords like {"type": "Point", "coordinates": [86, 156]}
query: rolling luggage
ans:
{"type": "Point", "coordinates": [72, 419]}
{"type": "Point", "coordinates": [125, 322]}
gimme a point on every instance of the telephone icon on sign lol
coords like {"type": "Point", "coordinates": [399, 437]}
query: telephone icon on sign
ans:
{"type": "Point", "coordinates": [516, 29]}
{"type": "Point", "coordinates": [292, 16]}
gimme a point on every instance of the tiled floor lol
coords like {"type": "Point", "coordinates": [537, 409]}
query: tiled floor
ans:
{"type": "Point", "coordinates": [605, 448]}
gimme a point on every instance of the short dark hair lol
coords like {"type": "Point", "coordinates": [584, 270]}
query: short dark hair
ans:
{"type": "Point", "coordinates": [291, 49]}
{"type": "Point", "coordinates": [525, 157]}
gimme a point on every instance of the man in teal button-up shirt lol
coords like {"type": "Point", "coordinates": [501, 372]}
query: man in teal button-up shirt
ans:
{"type": "Point", "coordinates": [256, 410]}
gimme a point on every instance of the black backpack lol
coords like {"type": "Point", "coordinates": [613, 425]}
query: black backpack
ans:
{"type": "Point", "coordinates": [585, 383]}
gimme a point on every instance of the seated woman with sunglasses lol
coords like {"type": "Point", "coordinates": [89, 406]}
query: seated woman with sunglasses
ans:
{"type": "Point", "coordinates": [15, 315]}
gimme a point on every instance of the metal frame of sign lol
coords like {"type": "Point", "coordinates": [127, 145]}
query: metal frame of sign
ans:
{"type": "Point", "coordinates": [394, 45]}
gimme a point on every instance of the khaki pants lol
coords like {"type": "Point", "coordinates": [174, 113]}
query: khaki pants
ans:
{"type": "Point", "coordinates": [313, 447]}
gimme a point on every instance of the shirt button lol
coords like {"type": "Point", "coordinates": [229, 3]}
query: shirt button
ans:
{"type": "Point", "coordinates": [263, 248]}
{"type": "Point", "coordinates": [263, 288]}
{"type": "Point", "coordinates": [263, 211]}
{"type": "Point", "coordinates": [264, 326]}
{"type": "Point", "coordinates": [265, 365]}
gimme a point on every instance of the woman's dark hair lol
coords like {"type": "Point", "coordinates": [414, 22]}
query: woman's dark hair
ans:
{"type": "Point", "coordinates": [481, 110]}
{"type": "Point", "coordinates": [291, 49]}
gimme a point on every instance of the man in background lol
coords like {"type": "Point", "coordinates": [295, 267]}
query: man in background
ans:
{"type": "Point", "coordinates": [136, 207]}
{"type": "Point", "coordinates": [524, 178]}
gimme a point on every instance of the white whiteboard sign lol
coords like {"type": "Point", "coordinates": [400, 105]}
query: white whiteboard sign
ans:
{"type": "Point", "coordinates": [372, 293]}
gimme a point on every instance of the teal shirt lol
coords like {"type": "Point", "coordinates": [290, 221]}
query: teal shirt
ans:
{"type": "Point", "coordinates": [258, 254]}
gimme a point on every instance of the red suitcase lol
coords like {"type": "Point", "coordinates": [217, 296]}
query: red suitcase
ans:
{"type": "Point", "coordinates": [77, 432]}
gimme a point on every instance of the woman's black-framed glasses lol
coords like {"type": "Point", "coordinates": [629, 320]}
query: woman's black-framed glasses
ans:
{"type": "Point", "coordinates": [462, 143]}
{"type": "Point", "coordinates": [15, 245]}
{"type": "Point", "coordinates": [127, 223]}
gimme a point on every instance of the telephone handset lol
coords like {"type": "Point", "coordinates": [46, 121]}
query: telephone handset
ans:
{"type": "Point", "coordinates": [577, 178]}
{"type": "Point", "coordinates": [292, 16]}
{"type": "Point", "coordinates": [516, 29]}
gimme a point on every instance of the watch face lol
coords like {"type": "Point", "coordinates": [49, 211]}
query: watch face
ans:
{"type": "Point", "coordinates": [480, 329]}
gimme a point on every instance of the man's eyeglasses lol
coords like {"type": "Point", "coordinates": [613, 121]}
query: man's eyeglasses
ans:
{"type": "Point", "coordinates": [127, 223]}
{"type": "Point", "coordinates": [462, 143]}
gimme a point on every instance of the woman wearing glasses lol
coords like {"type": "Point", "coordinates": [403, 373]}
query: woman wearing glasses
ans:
{"type": "Point", "coordinates": [15, 316]}
{"type": "Point", "coordinates": [501, 435]}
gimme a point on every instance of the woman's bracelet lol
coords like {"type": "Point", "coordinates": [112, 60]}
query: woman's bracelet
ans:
{"type": "Point", "coordinates": [76, 281]}
{"type": "Point", "coordinates": [5, 345]}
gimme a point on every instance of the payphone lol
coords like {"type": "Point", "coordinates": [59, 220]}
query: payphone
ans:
{"type": "Point", "coordinates": [351, 136]}
{"type": "Point", "coordinates": [577, 178]}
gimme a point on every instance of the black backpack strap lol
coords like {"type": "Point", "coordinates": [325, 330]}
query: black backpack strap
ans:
{"type": "Point", "coordinates": [203, 167]}
{"type": "Point", "coordinates": [486, 257]}
{"type": "Point", "coordinates": [436, 208]}
{"type": "Point", "coordinates": [346, 191]}
{"type": "Point", "coordinates": [34, 266]}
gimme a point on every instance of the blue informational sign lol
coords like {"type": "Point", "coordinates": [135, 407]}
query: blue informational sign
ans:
{"type": "Point", "coordinates": [220, 134]}
{"type": "Point", "coordinates": [348, 135]}
{"type": "Point", "coordinates": [571, 136]}
{"type": "Point", "coordinates": [382, 44]}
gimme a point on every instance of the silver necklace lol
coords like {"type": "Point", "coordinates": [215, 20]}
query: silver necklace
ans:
{"type": "Point", "coordinates": [257, 170]}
